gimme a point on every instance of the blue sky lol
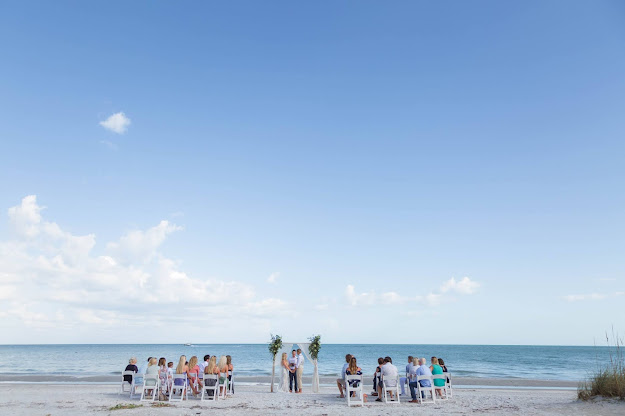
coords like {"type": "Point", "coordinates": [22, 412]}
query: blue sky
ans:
{"type": "Point", "coordinates": [362, 153]}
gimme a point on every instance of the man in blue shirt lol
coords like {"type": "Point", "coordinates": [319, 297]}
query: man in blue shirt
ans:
{"type": "Point", "coordinates": [422, 370]}
{"type": "Point", "coordinates": [340, 382]}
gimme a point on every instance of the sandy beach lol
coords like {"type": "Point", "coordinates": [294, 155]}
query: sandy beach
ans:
{"type": "Point", "coordinates": [70, 399]}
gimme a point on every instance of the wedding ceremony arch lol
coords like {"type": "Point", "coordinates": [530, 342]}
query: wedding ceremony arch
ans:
{"type": "Point", "coordinates": [288, 347]}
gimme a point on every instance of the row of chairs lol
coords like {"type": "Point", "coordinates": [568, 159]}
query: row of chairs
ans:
{"type": "Point", "coordinates": [391, 393]}
{"type": "Point", "coordinates": [212, 388]}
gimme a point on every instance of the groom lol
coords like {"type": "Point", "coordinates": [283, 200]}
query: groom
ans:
{"type": "Point", "coordinates": [292, 369]}
{"type": "Point", "coordinates": [300, 369]}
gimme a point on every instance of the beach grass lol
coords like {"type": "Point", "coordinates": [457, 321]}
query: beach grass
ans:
{"type": "Point", "coordinates": [609, 379]}
{"type": "Point", "coordinates": [122, 406]}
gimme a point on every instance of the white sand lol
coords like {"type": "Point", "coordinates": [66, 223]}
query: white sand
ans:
{"type": "Point", "coordinates": [42, 399]}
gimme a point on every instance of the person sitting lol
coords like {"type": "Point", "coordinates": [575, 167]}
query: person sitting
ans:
{"type": "Point", "coordinates": [181, 368]}
{"type": "Point", "coordinates": [204, 363]}
{"type": "Point", "coordinates": [389, 377]}
{"type": "Point", "coordinates": [211, 368]}
{"type": "Point", "coordinates": [438, 382]}
{"type": "Point", "coordinates": [192, 374]}
{"type": "Point", "coordinates": [132, 366]}
{"type": "Point", "coordinates": [353, 370]}
{"type": "Point", "coordinates": [376, 377]}
{"type": "Point", "coordinates": [422, 370]}
{"type": "Point", "coordinates": [340, 382]}
{"type": "Point", "coordinates": [223, 370]}
{"type": "Point", "coordinates": [151, 370]}
{"type": "Point", "coordinates": [230, 368]}
{"type": "Point", "coordinates": [404, 380]}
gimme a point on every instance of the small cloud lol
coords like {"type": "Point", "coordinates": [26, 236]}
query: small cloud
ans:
{"type": "Point", "coordinates": [465, 286]}
{"type": "Point", "coordinates": [591, 296]}
{"type": "Point", "coordinates": [117, 123]}
{"type": "Point", "coordinates": [273, 277]}
{"type": "Point", "coordinates": [110, 145]}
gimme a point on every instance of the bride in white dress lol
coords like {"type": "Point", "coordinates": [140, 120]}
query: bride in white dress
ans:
{"type": "Point", "coordinates": [283, 387]}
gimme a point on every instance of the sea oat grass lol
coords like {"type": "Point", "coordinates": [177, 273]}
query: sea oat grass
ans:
{"type": "Point", "coordinates": [121, 406]}
{"type": "Point", "coordinates": [609, 379]}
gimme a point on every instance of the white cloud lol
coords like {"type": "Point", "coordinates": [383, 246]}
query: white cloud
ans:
{"type": "Point", "coordinates": [69, 286]}
{"type": "Point", "coordinates": [117, 123]}
{"type": "Point", "coordinates": [110, 145]}
{"type": "Point", "coordinates": [273, 277]}
{"type": "Point", "coordinates": [590, 296]}
{"type": "Point", "coordinates": [464, 287]}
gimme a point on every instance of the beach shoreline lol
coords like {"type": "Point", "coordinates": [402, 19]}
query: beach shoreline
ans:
{"type": "Point", "coordinates": [460, 382]}
{"type": "Point", "coordinates": [73, 400]}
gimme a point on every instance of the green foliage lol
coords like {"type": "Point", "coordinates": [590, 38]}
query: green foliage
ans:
{"type": "Point", "coordinates": [315, 346]}
{"type": "Point", "coordinates": [121, 406]}
{"type": "Point", "coordinates": [275, 345]}
{"type": "Point", "coordinates": [609, 379]}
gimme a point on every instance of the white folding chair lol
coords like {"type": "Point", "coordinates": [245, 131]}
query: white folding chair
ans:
{"type": "Point", "coordinates": [386, 388]}
{"type": "Point", "coordinates": [443, 377]}
{"type": "Point", "coordinates": [448, 391]}
{"type": "Point", "coordinates": [210, 391]}
{"type": "Point", "coordinates": [192, 382]}
{"type": "Point", "coordinates": [178, 392]}
{"type": "Point", "coordinates": [355, 379]}
{"type": "Point", "coordinates": [130, 384]}
{"type": "Point", "coordinates": [422, 391]}
{"type": "Point", "coordinates": [151, 385]}
{"type": "Point", "coordinates": [231, 383]}
{"type": "Point", "coordinates": [223, 388]}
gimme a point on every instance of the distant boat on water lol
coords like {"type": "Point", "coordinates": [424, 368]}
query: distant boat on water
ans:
{"type": "Point", "coordinates": [188, 344]}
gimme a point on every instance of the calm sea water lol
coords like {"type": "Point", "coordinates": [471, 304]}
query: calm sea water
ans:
{"type": "Point", "coordinates": [491, 361]}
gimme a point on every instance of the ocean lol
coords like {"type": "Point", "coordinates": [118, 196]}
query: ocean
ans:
{"type": "Point", "coordinates": [571, 363]}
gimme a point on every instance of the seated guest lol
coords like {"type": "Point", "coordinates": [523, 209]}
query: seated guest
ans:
{"type": "Point", "coordinates": [211, 368]}
{"type": "Point", "coordinates": [422, 370]}
{"type": "Point", "coordinates": [141, 372]}
{"type": "Point", "coordinates": [353, 370]}
{"type": "Point", "coordinates": [230, 368]}
{"type": "Point", "coordinates": [340, 382]}
{"type": "Point", "coordinates": [204, 363]}
{"type": "Point", "coordinates": [442, 364]}
{"type": "Point", "coordinates": [404, 380]}
{"type": "Point", "coordinates": [389, 377]}
{"type": "Point", "coordinates": [222, 364]}
{"type": "Point", "coordinates": [151, 370]}
{"type": "Point", "coordinates": [170, 370]}
{"type": "Point", "coordinates": [193, 369]}
{"type": "Point", "coordinates": [181, 368]}
{"type": "Point", "coordinates": [132, 366]}
{"type": "Point", "coordinates": [376, 377]}
{"type": "Point", "coordinates": [437, 369]}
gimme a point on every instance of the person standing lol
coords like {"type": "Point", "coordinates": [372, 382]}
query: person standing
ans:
{"type": "Point", "coordinates": [292, 370]}
{"type": "Point", "coordinates": [300, 369]}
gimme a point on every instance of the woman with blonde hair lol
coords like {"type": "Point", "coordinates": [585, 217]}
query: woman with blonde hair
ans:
{"type": "Point", "coordinates": [283, 386]}
{"type": "Point", "coordinates": [193, 370]}
{"type": "Point", "coordinates": [211, 368]}
{"type": "Point", "coordinates": [436, 369]}
{"type": "Point", "coordinates": [223, 369]}
{"type": "Point", "coordinates": [181, 369]}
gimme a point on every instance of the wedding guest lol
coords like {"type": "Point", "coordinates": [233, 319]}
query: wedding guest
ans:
{"type": "Point", "coordinates": [181, 368]}
{"type": "Point", "coordinates": [442, 364]}
{"type": "Point", "coordinates": [211, 368]}
{"type": "Point", "coordinates": [340, 382]}
{"type": "Point", "coordinates": [436, 370]}
{"type": "Point", "coordinates": [300, 369]}
{"type": "Point", "coordinates": [193, 370]}
{"type": "Point", "coordinates": [389, 377]}
{"type": "Point", "coordinates": [404, 380]}
{"type": "Point", "coordinates": [204, 363]}
{"type": "Point", "coordinates": [162, 373]}
{"type": "Point", "coordinates": [223, 369]}
{"type": "Point", "coordinates": [353, 370]}
{"type": "Point", "coordinates": [293, 371]}
{"type": "Point", "coordinates": [170, 370]}
{"type": "Point", "coordinates": [230, 368]}
{"type": "Point", "coordinates": [151, 370]}
{"type": "Point", "coordinates": [376, 377]}
{"type": "Point", "coordinates": [422, 370]}
{"type": "Point", "coordinates": [132, 366]}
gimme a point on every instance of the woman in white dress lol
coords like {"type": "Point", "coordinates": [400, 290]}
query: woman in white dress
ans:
{"type": "Point", "coordinates": [283, 387]}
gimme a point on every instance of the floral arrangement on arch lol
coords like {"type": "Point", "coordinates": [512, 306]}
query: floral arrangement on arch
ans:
{"type": "Point", "coordinates": [315, 346]}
